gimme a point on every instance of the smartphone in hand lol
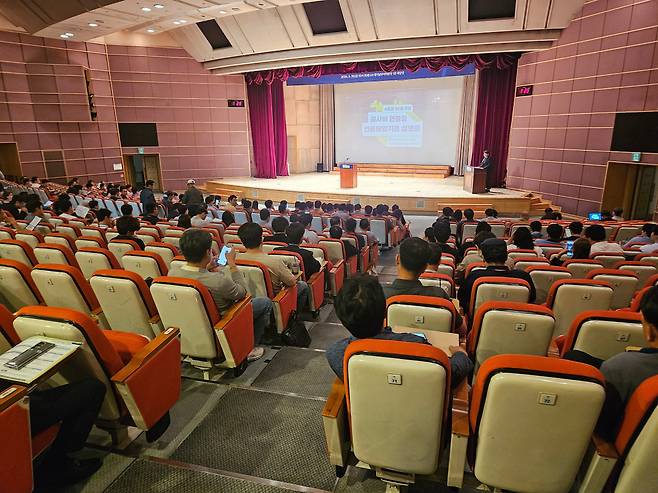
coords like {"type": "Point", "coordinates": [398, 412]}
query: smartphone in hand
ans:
{"type": "Point", "coordinates": [222, 260]}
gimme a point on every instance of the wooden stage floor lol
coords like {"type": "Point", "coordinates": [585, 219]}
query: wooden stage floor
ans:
{"type": "Point", "coordinates": [424, 195]}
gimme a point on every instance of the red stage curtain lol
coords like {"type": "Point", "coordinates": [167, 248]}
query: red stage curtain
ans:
{"type": "Point", "coordinates": [494, 117]}
{"type": "Point", "coordinates": [267, 117]}
{"type": "Point", "coordinates": [495, 60]}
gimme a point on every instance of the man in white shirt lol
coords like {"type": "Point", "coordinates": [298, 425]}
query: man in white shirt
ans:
{"type": "Point", "coordinates": [596, 235]}
{"type": "Point", "coordinates": [310, 236]}
{"type": "Point", "coordinates": [200, 216]}
{"type": "Point", "coordinates": [653, 246]}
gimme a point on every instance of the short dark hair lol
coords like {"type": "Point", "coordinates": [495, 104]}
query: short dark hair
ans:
{"type": "Point", "coordinates": [334, 221]}
{"type": "Point", "coordinates": [414, 255]}
{"type": "Point", "coordinates": [441, 231]}
{"type": "Point", "coordinates": [522, 238]}
{"type": "Point", "coordinates": [336, 232]}
{"type": "Point", "coordinates": [33, 205]}
{"type": "Point", "coordinates": [184, 221]}
{"type": "Point", "coordinates": [282, 207]}
{"type": "Point", "coordinates": [294, 217]}
{"type": "Point", "coordinates": [429, 234]}
{"type": "Point", "coordinates": [581, 248]}
{"type": "Point", "coordinates": [595, 232]}
{"type": "Point", "coordinates": [268, 203]}
{"type": "Point", "coordinates": [251, 235]}
{"type": "Point", "coordinates": [555, 231]}
{"type": "Point", "coordinates": [482, 226]}
{"type": "Point", "coordinates": [482, 236]}
{"type": "Point", "coordinates": [209, 199]}
{"type": "Point", "coordinates": [295, 233]}
{"type": "Point", "coordinates": [350, 225]}
{"type": "Point", "coordinates": [194, 243]}
{"type": "Point", "coordinates": [361, 306]}
{"type": "Point", "coordinates": [150, 207]}
{"type": "Point", "coordinates": [318, 204]}
{"type": "Point", "coordinates": [149, 183]}
{"type": "Point", "coordinates": [93, 203]}
{"type": "Point", "coordinates": [264, 214]}
{"type": "Point", "coordinates": [231, 197]}
{"type": "Point", "coordinates": [126, 210]}
{"type": "Point", "coordinates": [127, 224]}
{"type": "Point", "coordinates": [279, 224]}
{"type": "Point", "coordinates": [576, 227]}
{"type": "Point", "coordinates": [649, 306]}
{"type": "Point", "coordinates": [535, 226]}
{"type": "Point", "coordinates": [447, 211]}
{"type": "Point", "coordinates": [364, 224]}
{"type": "Point", "coordinates": [306, 219]}
{"type": "Point", "coordinates": [469, 214]}
{"type": "Point", "coordinates": [435, 254]}
{"type": "Point", "coordinates": [228, 218]}
{"type": "Point", "coordinates": [102, 214]}
{"type": "Point", "coordinates": [648, 228]}
{"type": "Point", "coordinates": [368, 209]}
{"type": "Point", "coordinates": [618, 211]}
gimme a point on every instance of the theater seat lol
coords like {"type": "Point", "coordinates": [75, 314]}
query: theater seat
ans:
{"type": "Point", "coordinates": [166, 251]}
{"type": "Point", "coordinates": [32, 238]}
{"type": "Point", "coordinates": [19, 251]}
{"type": "Point", "coordinates": [17, 289]}
{"type": "Point", "coordinates": [608, 259]}
{"type": "Point", "coordinates": [7, 233]}
{"type": "Point", "coordinates": [315, 283]}
{"type": "Point", "coordinates": [139, 393]}
{"type": "Point", "coordinates": [624, 285]}
{"type": "Point", "coordinates": [335, 271]}
{"type": "Point", "coordinates": [523, 404]}
{"type": "Point", "coordinates": [569, 297]}
{"type": "Point", "coordinates": [336, 252]}
{"type": "Point", "coordinates": [8, 336]}
{"type": "Point", "coordinates": [146, 264]}
{"type": "Point", "coordinates": [643, 270]}
{"type": "Point", "coordinates": [120, 247]}
{"type": "Point", "coordinates": [53, 253]}
{"type": "Point", "coordinates": [439, 280]}
{"type": "Point", "coordinates": [91, 259]}
{"type": "Point", "coordinates": [69, 229]}
{"type": "Point", "coordinates": [90, 242]}
{"type": "Point", "coordinates": [523, 263]}
{"type": "Point", "coordinates": [207, 338]}
{"type": "Point", "coordinates": [543, 278]}
{"type": "Point", "coordinates": [520, 253]}
{"type": "Point", "coordinates": [604, 333]}
{"type": "Point", "coordinates": [498, 289]}
{"type": "Point", "coordinates": [126, 302]}
{"type": "Point", "coordinates": [416, 409]}
{"type": "Point", "coordinates": [426, 313]}
{"type": "Point", "coordinates": [60, 239]}
{"type": "Point", "coordinates": [579, 268]}
{"type": "Point", "coordinates": [502, 327]}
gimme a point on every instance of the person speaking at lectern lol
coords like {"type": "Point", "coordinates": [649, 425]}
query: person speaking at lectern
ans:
{"type": "Point", "coordinates": [488, 164]}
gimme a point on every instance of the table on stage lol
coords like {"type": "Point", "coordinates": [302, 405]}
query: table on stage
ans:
{"type": "Point", "coordinates": [475, 180]}
{"type": "Point", "coordinates": [348, 175]}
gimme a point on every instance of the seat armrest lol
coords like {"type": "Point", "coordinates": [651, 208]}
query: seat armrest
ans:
{"type": "Point", "coordinates": [600, 460]}
{"type": "Point", "coordinates": [459, 436]}
{"type": "Point", "coordinates": [150, 383]}
{"type": "Point", "coordinates": [11, 395]}
{"type": "Point", "coordinates": [154, 320]}
{"type": "Point", "coordinates": [285, 302]}
{"type": "Point", "coordinates": [235, 333]}
{"type": "Point", "coordinates": [553, 350]}
{"type": "Point", "coordinates": [336, 428]}
{"type": "Point", "coordinates": [232, 312]}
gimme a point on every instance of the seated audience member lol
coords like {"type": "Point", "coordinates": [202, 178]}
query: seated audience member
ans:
{"type": "Point", "coordinates": [606, 216]}
{"type": "Point", "coordinates": [213, 210]}
{"type": "Point", "coordinates": [367, 210]}
{"type": "Point", "coordinates": [581, 250]}
{"type": "Point", "coordinates": [199, 217]}
{"type": "Point", "coordinates": [460, 270]}
{"type": "Point", "coordinates": [549, 215]}
{"type": "Point", "coordinates": [469, 214]}
{"type": "Point", "coordinates": [442, 235]}
{"type": "Point", "coordinates": [295, 233]}
{"type": "Point", "coordinates": [596, 235]}
{"type": "Point", "coordinates": [625, 371]}
{"type": "Point", "coordinates": [618, 214]}
{"type": "Point", "coordinates": [228, 218]}
{"type": "Point", "coordinates": [535, 230]}
{"type": "Point", "coordinates": [429, 235]}
{"type": "Point", "coordinates": [481, 227]}
{"type": "Point", "coordinates": [310, 236]}
{"type": "Point", "coordinates": [93, 206]}
{"type": "Point", "coordinates": [7, 221]}
{"type": "Point", "coordinates": [184, 221]}
{"type": "Point", "coordinates": [336, 232]}
{"type": "Point", "coordinates": [269, 205]}
{"type": "Point", "coordinates": [446, 214]}
{"type": "Point", "coordinates": [364, 227]}
{"type": "Point", "coordinates": [251, 236]}
{"type": "Point", "coordinates": [494, 252]}
{"type": "Point", "coordinates": [255, 206]}
{"type": "Point", "coordinates": [16, 207]}
{"type": "Point", "coordinates": [412, 260]}
{"type": "Point", "coordinates": [456, 216]}
{"type": "Point", "coordinates": [644, 237]}
{"type": "Point", "coordinates": [35, 209]}
{"type": "Point", "coordinates": [434, 259]}
{"type": "Point", "coordinates": [265, 218]}
{"type": "Point", "coordinates": [246, 207]}
{"type": "Point", "coordinates": [575, 231]}
{"type": "Point", "coordinates": [150, 214]}
{"type": "Point", "coordinates": [127, 226]}
{"type": "Point", "coordinates": [653, 246]}
{"type": "Point", "coordinates": [522, 240]}
{"type": "Point", "coordinates": [104, 219]}
{"type": "Point", "coordinates": [491, 215]}
{"type": "Point", "coordinates": [126, 210]}
{"type": "Point", "coordinates": [231, 205]}
{"type": "Point", "coordinates": [279, 225]}
{"type": "Point", "coordinates": [555, 232]}
{"type": "Point", "coordinates": [317, 208]}
{"type": "Point", "coordinates": [361, 308]}
{"type": "Point", "coordinates": [226, 284]}
{"type": "Point", "coordinates": [350, 227]}
{"type": "Point", "coordinates": [283, 208]}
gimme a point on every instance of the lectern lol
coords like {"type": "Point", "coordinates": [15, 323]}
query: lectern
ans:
{"type": "Point", "coordinates": [348, 175]}
{"type": "Point", "coordinates": [475, 180]}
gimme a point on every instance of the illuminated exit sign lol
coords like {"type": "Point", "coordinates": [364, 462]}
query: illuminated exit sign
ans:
{"type": "Point", "coordinates": [523, 91]}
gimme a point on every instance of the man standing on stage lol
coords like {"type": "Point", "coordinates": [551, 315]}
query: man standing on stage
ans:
{"type": "Point", "coordinates": [488, 164]}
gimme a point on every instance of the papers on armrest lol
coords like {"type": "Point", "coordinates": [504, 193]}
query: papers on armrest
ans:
{"type": "Point", "coordinates": [41, 365]}
{"type": "Point", "coordinates": [33, 224]}
{"type": "Point", "coordinates": [440, 340]}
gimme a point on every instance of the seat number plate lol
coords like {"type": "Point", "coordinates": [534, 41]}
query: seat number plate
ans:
{"type": "Point", "coordinates": [394, 379]}
{"type": "Point", "coordinates": [547, 399]}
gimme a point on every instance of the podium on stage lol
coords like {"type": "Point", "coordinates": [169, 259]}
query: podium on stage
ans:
{"type": "Point", "coordinates": [475, 180]}
{"type": "Point", "coordinates": [348, 175]}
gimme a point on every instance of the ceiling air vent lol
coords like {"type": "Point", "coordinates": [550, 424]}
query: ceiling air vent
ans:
{"type": "Point", "coordinates": [214, 34]}
{"type": "Point", "coordinates": [482, 10]}
{"type": "Point", "coordinates": [325, 17]}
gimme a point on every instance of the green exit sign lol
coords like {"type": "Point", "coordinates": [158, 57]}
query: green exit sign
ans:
{"type": "Point", "coordinates": [636, 156]}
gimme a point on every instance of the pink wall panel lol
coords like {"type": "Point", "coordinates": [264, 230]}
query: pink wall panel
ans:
{"type": "Point", "coordinates": [605, 62]}
{"type": "Point", "coordinates": [43, 106]}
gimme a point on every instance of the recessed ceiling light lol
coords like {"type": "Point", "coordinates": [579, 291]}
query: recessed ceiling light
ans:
{"type": "Point", "coordinates": [158, 6]}
{"type": "Point", "coordinates": [92, 24]}
{"type": "Point", "coordinates": [70, 35]}
{"type": "Point", "coordinates": [150, 30]}
{"type": "Point", "coordinates": [177, 22]}
{"type": "Point", "coordinates": [222, 12]}
{"type": "Point", "coordinates": [146, 9]}
{"type": "Point", "coordinates": [235, 8]}
{"type": "Point", "coordinates": [182, 21]}
{"type": "Point", "coordinates": [63, 36]}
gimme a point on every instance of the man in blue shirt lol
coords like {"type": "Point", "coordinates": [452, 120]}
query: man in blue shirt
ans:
{"type": "Point", "coordinates": [644, 237]}
{"type": "Point", "coordinates": [361, 307]}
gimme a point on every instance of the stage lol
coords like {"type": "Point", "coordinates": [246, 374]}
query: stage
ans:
{"type": "Point", "coordinates": [413, 195]}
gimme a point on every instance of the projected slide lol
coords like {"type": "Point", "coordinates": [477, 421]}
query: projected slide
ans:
{"type": "Point", "coordinates": [398, 122]}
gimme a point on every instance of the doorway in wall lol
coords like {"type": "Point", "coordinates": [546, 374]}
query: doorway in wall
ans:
{"type": "Point", "coordinates": [633, 187]}
{"type": "Point", "coordinates": [138, 168]}
{"type": "Point", "coordinates": [10, 163]}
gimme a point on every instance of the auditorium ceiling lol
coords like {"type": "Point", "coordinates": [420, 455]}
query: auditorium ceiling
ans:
{"type": "Point", "coordinates": [263, 34]}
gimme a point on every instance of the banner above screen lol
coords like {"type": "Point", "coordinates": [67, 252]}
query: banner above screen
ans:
{"type": "Point", "coordinates": [422, 73]}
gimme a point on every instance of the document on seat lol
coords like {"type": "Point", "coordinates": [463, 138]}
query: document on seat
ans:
{"type": "Point", "coordinates": [440, 340]}
{"type": "Point", "coordinates": [40, 366]}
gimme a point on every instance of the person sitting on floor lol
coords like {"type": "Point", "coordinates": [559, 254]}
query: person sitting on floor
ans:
{"type": "Point", "coordinates": [295, 234]}
{"type": "Point", "coordinates": [336, 232]}
{"type": "Point", "coordinates": [361, 308]}
{"type": "Point", "coordinates": [412, 260]}
{"type": "Point", "coordinates": [127, 226]}
{"type": "Point", "coordinates": [279, 225]}
{"type": "Point", "coordinates": [596, 235]}
{"type": "Point", "coordinates": [624, 372]}
{"type": "Point", "coordinates": [226, 284]}
{"type": "Point", "coordinates": [494, 252]}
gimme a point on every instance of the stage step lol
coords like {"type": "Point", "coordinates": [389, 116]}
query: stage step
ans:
{"type": "Point", "coordinates": [409, 170]}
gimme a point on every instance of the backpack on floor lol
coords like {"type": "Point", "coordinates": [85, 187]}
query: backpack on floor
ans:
{"type": "Point", "coordinates": [296, 333]}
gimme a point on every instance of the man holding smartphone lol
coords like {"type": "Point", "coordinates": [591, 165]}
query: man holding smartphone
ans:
{"type": "Point", "coordinates": [225, 283]}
